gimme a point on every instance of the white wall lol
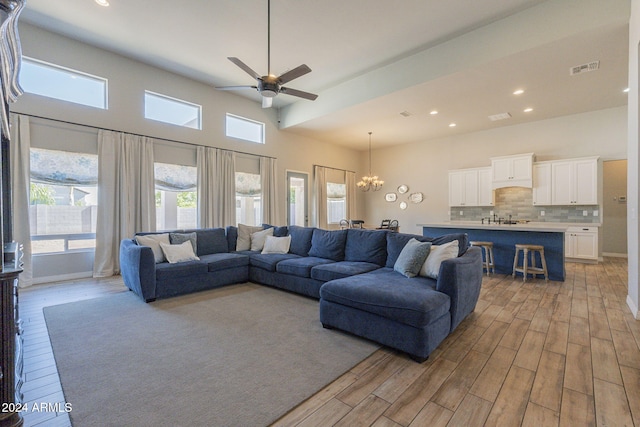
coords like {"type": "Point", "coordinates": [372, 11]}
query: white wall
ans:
{"type": "Point", "coordinates": [128, 79]}
{"type": "Point", "coordinates": [633, 181]}
{"type": "Point", "coordinates": [423, 166]}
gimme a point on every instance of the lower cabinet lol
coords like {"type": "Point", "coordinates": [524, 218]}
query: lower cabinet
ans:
{"type": "Point", "coordinates": [581, 243]}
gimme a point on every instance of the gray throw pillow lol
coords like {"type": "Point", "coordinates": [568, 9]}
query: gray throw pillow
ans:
{"type": "Point", "coordinates": [412, 257]}
{"type": "Point", "coordinates": [177, 238]}
{"type": "Point", "coordinates": [244, 236]}
{"type": "Point", "coordinates": [153, 241]}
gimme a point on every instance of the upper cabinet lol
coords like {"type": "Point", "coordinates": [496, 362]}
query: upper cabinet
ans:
{"type": "Point", "coordinates": [485, 187]}
{"type": "Point", "coordinates": [542, 184]}
{"type": "Point", "coordinates": [512, 171]}
{"type": "Point", "coordinates": [566, 182]}
{"type": "Point", "coordinates": [470, 187]}
{"type": "Point", "coordinates": [574, 182]}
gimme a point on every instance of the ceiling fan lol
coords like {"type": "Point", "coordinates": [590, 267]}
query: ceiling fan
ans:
{"type": "Point", "coordinates": [269, 86]}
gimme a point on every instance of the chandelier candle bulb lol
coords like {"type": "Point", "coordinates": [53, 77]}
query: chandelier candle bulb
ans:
{"type": "Point", "coordinates": [369, 182]}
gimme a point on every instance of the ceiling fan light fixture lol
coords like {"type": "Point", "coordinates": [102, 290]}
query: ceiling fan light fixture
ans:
{"type": "Point", "coordinates": [269, 86]}
{"type": "Point", "coordinates": [370, 182]}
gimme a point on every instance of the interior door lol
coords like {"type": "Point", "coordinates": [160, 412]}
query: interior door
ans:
{"type": "Point", "coordinates": [297, 198]}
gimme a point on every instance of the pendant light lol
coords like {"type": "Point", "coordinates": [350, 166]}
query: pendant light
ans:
{"type": "Point", "coordinates": [370, 181]}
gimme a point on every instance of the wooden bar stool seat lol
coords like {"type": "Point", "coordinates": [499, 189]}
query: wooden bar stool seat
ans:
{"type": "Point", "coordinates": [488, 262]}
{"type": "Point", "coordinates": [530, 268]}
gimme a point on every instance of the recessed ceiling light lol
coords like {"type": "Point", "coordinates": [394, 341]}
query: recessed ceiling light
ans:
{"type": "Point", "coordinates": [518, 92]}
{"type": "Point", "coordinates": [626, 90]}
{"type": "Point", "coordinates": [452, 125]}
{"type": "Point", "coordinates": [434, 112]}
{"type": "Point", "coordinates": [528, 110]}
{"type": "Point", "coordinates": [104, 3]}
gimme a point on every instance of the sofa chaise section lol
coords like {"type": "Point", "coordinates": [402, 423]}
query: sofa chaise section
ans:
{"type": "Point", "coordinates": [414, 314]}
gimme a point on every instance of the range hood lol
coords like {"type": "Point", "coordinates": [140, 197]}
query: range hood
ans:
{"type": "Point", "coordinates": [512, 171]}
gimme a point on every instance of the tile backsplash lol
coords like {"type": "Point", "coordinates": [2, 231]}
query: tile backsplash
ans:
{"type": "Point", "coordinates": [518, 202]}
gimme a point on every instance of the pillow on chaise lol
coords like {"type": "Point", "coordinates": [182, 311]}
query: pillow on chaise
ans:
{"type": "Point", "coordinates": [412, 257]}
{"type": "Point", "coordinates": [276, 245]}
{"type": "Point", "coordinates": [439, 253]}
{"type": "Point", "coordinates": [179, 253]}
{"type": "Point", "coordinates": [153, 241]}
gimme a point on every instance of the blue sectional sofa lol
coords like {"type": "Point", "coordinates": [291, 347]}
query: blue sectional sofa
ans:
{"type": "Point", "coordinates": [350, 271]}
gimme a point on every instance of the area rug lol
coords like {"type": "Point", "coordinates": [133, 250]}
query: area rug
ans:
{"type": "Point", "coordinates": [242, 355]}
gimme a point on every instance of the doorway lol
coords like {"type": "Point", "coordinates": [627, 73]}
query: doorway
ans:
{"type": "Point", "coordinates": [614, 219]}
{"type": "Point", "coordinates": [297, 198]}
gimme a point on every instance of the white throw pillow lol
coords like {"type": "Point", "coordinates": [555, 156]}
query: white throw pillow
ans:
{"type": "Point", "coordinates": [439, 253]}
{"type": "Point", "coordinates": [179, 253]}
{"type": "Point", "coordinates": [276, 245]}
{"type": "Point", "coordinates": [259, 237]}
{"type": "Point", "coordinates": [153, 241]}
{"type": "Point", "coordinates": [244, 236]}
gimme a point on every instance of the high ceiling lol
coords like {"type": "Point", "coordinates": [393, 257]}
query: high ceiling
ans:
{"type": "Point", "coordinates": [372, 60]}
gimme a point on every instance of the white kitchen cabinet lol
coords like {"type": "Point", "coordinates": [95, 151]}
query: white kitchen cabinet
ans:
{"type": "Point", "coordinates": [574, 182]}
{"type": "Point", "coordinates": [581, 243]}
{"type": "Point", "coordinates": [463, 187]}
{"type": "Point", "coordinates": [512, 171]}
{"type": "Point", "coordinates": [485, 187]}
{"type": "Point", "coordinates": [542, 184]}
{"type": "Point", "coordinates": [470, 187]}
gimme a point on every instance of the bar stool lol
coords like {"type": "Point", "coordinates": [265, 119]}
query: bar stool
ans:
{"type": "Point", "coordinates": [526, 268]}
{"type": "Point", "coordinates": [488, 263]}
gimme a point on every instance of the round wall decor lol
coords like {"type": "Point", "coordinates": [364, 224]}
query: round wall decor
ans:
{"type": "Point", "coordinates": [390, 197]}
{"type": "Point", "coordinates": [403, 205]}
{"type": "Point", "coordinates": [403, 189]}
{"type": "Point", "coordinates": [416, 197]}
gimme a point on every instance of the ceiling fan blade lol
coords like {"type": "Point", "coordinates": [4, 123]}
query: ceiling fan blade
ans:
{"type": "Point", "coordinates": [294, 74]}
{"type": "Point", "coordinates": [244, 66]}
{"type": "Point", "coordinates": [298, 93]}
{"type": "Point", "coordinates": [267, 102]}
{"type": "Point", "coordinates": [235, 87]}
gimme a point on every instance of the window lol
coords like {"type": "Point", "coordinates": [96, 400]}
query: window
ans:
{"type": "Point", "coordinates": [336, 202]}
{"type": "Point", "coordinates": [171, 110]}
{"type": "Point", "coordinates": [176, 196]}
{"type": "Point", "coordinates": [57, 82]}
{"type": "Point", "coordinates": [248, 198]}
{"type": "Point", "coordinates": [63, 201]}
{"type": "Point", "coordinates": [242, 128]}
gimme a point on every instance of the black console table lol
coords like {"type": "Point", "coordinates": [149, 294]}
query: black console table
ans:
{"type": "Point", "coordinates": [11, 349]}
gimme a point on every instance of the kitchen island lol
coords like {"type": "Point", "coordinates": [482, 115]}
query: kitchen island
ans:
{"type": "Point", "coordinates": [505, 237]}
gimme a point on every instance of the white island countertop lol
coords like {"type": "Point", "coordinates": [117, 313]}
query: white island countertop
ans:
{"type": "Point", "coordinates": [553, 227]}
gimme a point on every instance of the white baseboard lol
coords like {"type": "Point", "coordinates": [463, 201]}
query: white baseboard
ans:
{"type": "Point", "coordinates": [62, 277]}
{"type": "Point", "coordinates": [614, 255]}
{"type": "Point", "coordinates": [632, 306]}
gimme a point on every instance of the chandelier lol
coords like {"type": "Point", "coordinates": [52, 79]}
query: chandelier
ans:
{"type": "Point", "coordinates": [370, 181]}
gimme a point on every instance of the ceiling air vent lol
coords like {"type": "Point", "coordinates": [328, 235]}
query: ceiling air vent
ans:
{"type": "Point", "coordinates": [500, 116]}
{"type": "Point", "coordinates": [584, 68]}
{"type": "Point", "coordinates": [405, 114]}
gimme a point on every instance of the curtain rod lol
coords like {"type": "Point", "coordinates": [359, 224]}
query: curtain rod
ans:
{"type": "Point", "coordinates": [337, 169]}
{"type": "Point", "coordinates": [137, 134]}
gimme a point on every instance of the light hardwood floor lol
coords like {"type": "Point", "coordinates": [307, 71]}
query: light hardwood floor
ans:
{"type": "Point", "coordinates": [533, 354]}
